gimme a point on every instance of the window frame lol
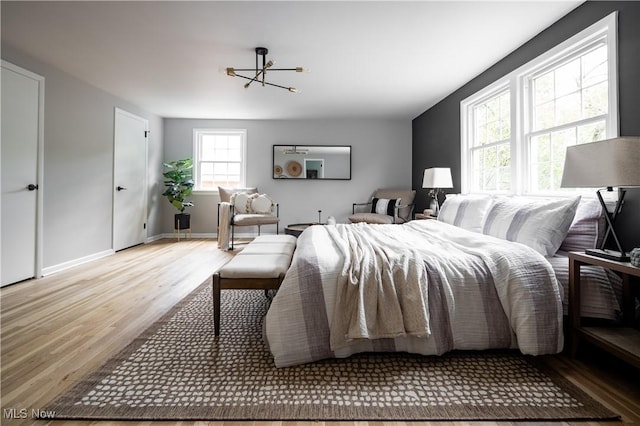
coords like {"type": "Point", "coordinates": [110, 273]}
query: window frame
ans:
{"type": "Point", "coordinates": [197, 137]}
{"type": "Point", "coordinates": [519, 82]}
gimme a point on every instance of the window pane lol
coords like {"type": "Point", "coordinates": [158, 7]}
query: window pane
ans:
{"type": "Point", "coordinates": [568, 109]}
{"type": "Point", "coordinates": [595, 100]}
{"type": "Point", "coordinates": [541, 148]}
{"type": "Point", "coordinates": [568, 78]}
{"type": "Point", "coordinates": [594, 67]}
{"type": "Point", "coordinates": [543, 88]}
{"type": "Point", "coordinates": [591, 132]}
{"type": "Point", "coordinates": [544, 116]}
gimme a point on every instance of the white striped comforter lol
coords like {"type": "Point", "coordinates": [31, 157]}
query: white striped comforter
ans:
{"type": "Point", "coordinates": [482, 293]}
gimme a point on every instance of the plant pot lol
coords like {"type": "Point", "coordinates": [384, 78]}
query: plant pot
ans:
{"type": "Point", "coordinates": [182, 221]}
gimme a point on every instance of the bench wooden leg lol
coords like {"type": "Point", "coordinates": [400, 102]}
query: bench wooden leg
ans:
{"type": "Point", "coordinates": [216, 304]}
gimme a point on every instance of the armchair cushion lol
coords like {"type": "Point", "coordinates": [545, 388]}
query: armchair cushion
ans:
{"type": "Point", "coordinates": [226, 193]}
{"type": "Point", "coordinates": [371, 218]}
{"type": "Point", "coordinates": [252, 219]}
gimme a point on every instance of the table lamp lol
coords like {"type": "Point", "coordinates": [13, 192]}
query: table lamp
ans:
{"type": "Point", "coordinates": [436, 178]}
{"type": "Point", "coordinates": [604, 165]}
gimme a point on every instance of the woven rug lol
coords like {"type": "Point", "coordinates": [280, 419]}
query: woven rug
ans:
{"type": "Point", "coordinates": [177, 370]}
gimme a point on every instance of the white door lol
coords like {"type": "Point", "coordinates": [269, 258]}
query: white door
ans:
{"type": "Point", "coordinates": [130, 180]}
{"type": "Point", "coordinates": [22, 109]}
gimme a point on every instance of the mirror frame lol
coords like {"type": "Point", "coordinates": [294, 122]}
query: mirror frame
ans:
{"type": "Point", "coordinates": [274, 165]}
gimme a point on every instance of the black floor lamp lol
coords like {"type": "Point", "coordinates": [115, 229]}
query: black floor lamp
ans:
{"type": "Point", "coordinates": [605, 164]}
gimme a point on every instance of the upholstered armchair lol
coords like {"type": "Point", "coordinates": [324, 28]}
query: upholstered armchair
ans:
{"type": "Point", "coordinates": [244, 207]}
{"type": "Point", "coordinates": [386, 206]}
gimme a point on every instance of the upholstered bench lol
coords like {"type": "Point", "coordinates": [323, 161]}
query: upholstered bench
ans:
{"type": "Point", "coordinates": [261, 265]}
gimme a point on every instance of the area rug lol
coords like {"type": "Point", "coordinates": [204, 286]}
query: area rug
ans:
{"type": "Point", "coordinates": [178, 370]}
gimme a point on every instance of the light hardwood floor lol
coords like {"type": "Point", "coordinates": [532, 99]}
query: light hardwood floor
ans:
{"type": "Point", "coordinates": [56, 329]}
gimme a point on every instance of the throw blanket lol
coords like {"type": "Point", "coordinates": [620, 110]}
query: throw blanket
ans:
{"type": "Point", "coordinates": [380, 292]}
{"type": "Point", "coordinates": [477, 292]}
{"type": "Point", "coordinates": [224, 223]}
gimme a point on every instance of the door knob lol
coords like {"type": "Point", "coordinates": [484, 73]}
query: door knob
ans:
{"type": "Point", "coordinates": [120, 188]}
{"type": "Point", "coordinates": [32, 187]}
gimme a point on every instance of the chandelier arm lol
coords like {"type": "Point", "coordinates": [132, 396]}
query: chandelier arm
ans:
{"type": "Point", "coordinates": [262, 71]}
{"type": "Point", "coordinates": [277, 85]}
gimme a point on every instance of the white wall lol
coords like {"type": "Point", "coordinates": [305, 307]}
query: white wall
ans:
{"type": "Point", "coordinates": [381, 157]}
{"type": "Point", "coordinates": [78, 165]}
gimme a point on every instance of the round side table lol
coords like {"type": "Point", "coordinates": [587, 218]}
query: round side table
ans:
{"type": "Point", "coordinates": [296, 229]}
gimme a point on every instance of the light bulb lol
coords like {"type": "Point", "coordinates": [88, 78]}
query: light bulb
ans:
{"type": "Point", "coordinates": [293, 90]}
{"type": "Point", "coordinates": [231, 72]}
{"type": "Point", "coordinates": [302, 69]}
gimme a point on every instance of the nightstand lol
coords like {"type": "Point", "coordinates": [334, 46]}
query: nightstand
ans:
{"type": "Point", "coordinates": [622, 341]}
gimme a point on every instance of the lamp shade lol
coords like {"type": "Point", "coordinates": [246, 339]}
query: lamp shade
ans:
{"type": "Point", "coordinates": [607, 163]}
{"type": "Point", "coordinates": [437, 177]}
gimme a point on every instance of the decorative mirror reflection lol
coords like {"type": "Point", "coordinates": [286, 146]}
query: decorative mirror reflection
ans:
{"type": "Point", "coordinates": [312, 162]}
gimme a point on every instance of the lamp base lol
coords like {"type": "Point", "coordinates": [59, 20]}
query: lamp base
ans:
{"type": "Point", "coordinates": [609, 254]}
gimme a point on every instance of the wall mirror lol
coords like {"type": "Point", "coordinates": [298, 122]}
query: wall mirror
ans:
{"type": "Point", "coordinates": [312, 162]}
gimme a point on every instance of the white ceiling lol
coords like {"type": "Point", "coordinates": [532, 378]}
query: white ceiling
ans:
{"type": "Point", "coordinates": [367, 59]}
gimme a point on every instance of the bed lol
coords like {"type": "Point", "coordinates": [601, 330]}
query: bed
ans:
{"type": "Point", "coordinates": [427, 287]}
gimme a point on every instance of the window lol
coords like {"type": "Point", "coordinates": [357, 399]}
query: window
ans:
{"type": "Point", "coordinates": [516, 131]}
{"type": "Point", "coordinates": [220, 158]}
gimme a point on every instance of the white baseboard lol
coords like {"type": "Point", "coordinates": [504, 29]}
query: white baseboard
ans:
{"type": "Point", "coordinates": [206, 235]}
{"type": "Point", "coordinates": [75, 262]}
{"type": "Point", "coordinates": [154, 238]}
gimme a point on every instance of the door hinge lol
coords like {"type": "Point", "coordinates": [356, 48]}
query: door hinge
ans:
{"type": "Point", "coordinates": [146, 133]}
{"type": "Point", "coordinates": [144, 226]}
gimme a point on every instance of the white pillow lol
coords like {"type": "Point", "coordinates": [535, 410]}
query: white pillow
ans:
{"type": "Point", "coordinates": [465, 211]}
{"type": "Point", "coordinates": [240, 201]}
{"type": "Point", "coordinates": [260, 204]}
{"type": "Point", "coordinates": [539, 224]}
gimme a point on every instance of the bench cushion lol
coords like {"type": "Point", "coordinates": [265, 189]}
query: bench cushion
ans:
{"type": "Point", "coordinates": [290, 239]}
{"type": "Point", "coordinates": [250, 266]}
{"type": "Point", "coordinates": [268, 256]}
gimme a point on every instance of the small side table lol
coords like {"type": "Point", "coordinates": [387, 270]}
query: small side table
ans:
{"type": "Point", "coordinates": [296, 229]}
{"type": "Point", "coordinates": [621, 341]}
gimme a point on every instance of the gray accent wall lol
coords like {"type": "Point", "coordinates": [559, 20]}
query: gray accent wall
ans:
{"type": "Point", "coordinates": [381, 154]}
{"type": "Point", "coordinates": [78, 164]}
{"type": "Point", "coordinates": [436, 132]}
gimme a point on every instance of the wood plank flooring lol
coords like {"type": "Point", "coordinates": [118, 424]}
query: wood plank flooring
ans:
{"type": "Point", "coordinates": [56, 329]}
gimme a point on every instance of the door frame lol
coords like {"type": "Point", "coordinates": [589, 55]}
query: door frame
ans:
{"type": "Point", "coordinates": [117, 111]}
{"type": "Point", "coordinates": [38, 255]}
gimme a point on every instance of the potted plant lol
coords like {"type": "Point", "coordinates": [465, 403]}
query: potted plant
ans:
{"type": "Point", "coordinates": [179, 183]}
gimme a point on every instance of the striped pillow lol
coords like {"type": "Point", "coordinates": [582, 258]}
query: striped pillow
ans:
{"type": "Point", "coordinates": [539, 224]}
{"type": "Point", "coordinates": [465, 211]}
{"type": "Point", "coordinates": [587, 228]}
{"type": "Point", "coordinates": [384, 206]}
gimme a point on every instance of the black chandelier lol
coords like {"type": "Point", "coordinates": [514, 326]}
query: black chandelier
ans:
{"type": "Point", "coordinates": [260, 73]}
